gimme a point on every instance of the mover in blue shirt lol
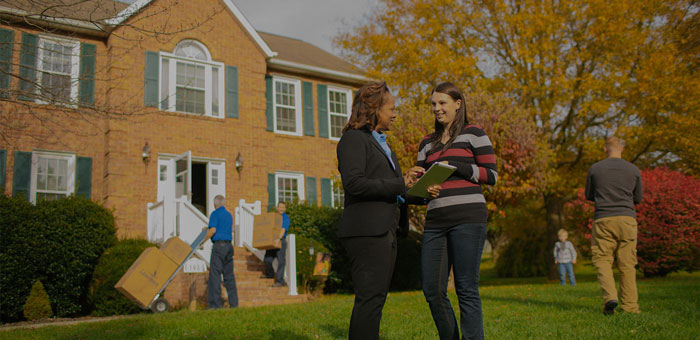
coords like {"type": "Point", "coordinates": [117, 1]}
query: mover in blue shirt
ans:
{"type": "Point", "coordinates": [281, 253]}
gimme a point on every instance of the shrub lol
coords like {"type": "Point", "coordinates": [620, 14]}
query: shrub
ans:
{"type": "Point", "coordinates": [321, 224]}
{"type": "Point", "coordinates": [306, 263]}
{"type": "Point", "coordinates": [525, 252]}
{"type": "Point", "coordinates": [103, 298]}
{"type": "Point", "coordinates": [668, 238]}
{"type": "Point", "coordinates": [58, 242]}
{"type": "Point", "coordinates": [38, 305]}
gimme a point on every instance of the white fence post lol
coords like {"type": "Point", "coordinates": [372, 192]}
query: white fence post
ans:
{"type": "Point", "coordinates": [291, 270]}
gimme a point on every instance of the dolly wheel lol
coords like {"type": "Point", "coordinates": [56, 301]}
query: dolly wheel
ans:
{"type": "Point", "coordinates": [160, 306]}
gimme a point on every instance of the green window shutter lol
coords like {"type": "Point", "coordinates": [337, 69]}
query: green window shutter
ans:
{"type": "Point", "coordinates": [326, 198]}
{"type": "Point", "coordinates": [311, 190]}
{"type": "Point", "coordinates": [27, 66]}
{"type": "Point", "coordinates": [271, 192]}
{"type": "Point", "coordinates": [322, 94]}
{"type": "Point", "coordinates": [3, 159]}
{"type": "Point", "coordinates": [7, 39]}
{"type": "Point", "coordinates": [150, 88]}
{"type": "Point", "coordinates": [21, 174]}
{"type": "Point", "coordinates": [231, 92]}
{"type": "Point", "coordinates": [86, 85]}
{"type": "Point", "coordinates": [269, 114]}
{"type": "Point", "coordinates": [83, 176]}
{"type": "Point", "coordinates": [307, 93]}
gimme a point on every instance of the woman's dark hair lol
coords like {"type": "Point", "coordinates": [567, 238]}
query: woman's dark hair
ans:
{"type": "Point", "coordinates": [461, 120]}
{"type": "Point", "coordinates": [367, 102]}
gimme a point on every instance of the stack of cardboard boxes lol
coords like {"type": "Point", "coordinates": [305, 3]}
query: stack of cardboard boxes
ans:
{"type": "Point", "coordinates": [150, 272]}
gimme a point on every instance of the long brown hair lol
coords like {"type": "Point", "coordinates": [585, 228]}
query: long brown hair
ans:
{"type": "Point", "coordinates": [367, 102]}
{"type": "Point", "coordinates": [461, 120]}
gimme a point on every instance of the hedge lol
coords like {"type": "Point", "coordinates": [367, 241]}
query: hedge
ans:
{"type": "Point", "coordinates": [103, 298]}
{"type": "Point", "coordinates": [58, 242]}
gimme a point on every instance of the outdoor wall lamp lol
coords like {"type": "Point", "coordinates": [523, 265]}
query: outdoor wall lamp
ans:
{"type": "Point", "coordinates": [311, 250]}
{"type": "Point", "coordinates": [239, 164]}
{"type": "Point", "coordinates": [146, 153]}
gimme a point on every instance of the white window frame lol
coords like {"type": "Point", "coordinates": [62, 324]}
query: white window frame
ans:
{"type": "Point", "coordinates": [348, 93]}
{"type": "Point", "coordinates": [333, 200]}
{"type": "Point", "coordinates": [297, 106]}
{"type": "Point", "coordinates": [75, 68]}
{"type": "Point", "coordinates": [70, 172]}
{"type": "Point", "coordinates": [208, 91]}
{"type": "Point", "coordinates": [292, 175]}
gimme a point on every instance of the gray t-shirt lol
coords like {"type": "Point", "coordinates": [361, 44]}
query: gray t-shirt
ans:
{"type": "Point", "coordinates": [615, 185]}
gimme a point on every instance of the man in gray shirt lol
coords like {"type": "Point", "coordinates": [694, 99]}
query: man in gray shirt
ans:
{"type": "Point", "coordinates": [615, 185]}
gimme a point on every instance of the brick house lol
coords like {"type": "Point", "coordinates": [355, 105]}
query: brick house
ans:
{"type": "Point", "coordinates": [127, 104]}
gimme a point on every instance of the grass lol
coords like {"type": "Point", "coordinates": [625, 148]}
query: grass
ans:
{"type": "Point", "coordinates": [530, 308]}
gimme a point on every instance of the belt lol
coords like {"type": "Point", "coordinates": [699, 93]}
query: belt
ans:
{"type": "Point", "coordinates": [227, 241]}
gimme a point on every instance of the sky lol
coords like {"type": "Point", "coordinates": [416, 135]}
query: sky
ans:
{"type": "Point", "coordinates": [313, 21]}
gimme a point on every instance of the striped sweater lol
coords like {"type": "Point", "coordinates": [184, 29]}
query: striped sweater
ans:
{"type": "Point", "coordinates": [461, 199]}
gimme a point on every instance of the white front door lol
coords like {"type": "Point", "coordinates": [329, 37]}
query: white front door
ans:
{"type": "Point", "coordinates": [216, 182]}
{"type": "Point", "coordinates": [182, 165]}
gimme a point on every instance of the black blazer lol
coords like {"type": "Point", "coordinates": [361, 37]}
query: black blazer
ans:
{"type": "Point", "coordinates": [371, 186]}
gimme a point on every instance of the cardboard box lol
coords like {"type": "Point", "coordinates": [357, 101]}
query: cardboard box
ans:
{"type": "Point", "coordinates": [266, 231]}
{"type": "Point", "coordinates": [176, 249]}
{"type": "Point", "coordinates": [146, 276]}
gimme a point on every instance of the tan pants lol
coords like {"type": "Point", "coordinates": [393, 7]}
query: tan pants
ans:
{"type": "Point", "coordinates": [616, 236]}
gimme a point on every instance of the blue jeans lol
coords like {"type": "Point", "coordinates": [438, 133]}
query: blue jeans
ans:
{"type": "Point", "coordinates": [564, 269]}
{"type": "Point", "coordinates": [458, 247]}
{"type": "Point", "coordinates": [221, 262]}
{"type": "Point", "coordinates": [281, 255]}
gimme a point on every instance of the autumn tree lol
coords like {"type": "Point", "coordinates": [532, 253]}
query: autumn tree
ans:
{"type": "Point", "coordinates": [582, 70]}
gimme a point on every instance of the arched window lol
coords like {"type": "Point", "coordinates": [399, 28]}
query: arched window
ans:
{"type": "Point", "coordinates": [190, 81]}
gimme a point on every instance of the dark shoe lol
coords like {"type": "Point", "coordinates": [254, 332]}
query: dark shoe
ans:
{"type": "Point", "coordinates": [609, 308]}
{"type": "Point", "coordinates": [277, 284]}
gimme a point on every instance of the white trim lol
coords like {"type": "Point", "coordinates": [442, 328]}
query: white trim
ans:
{"type": "Point", "coordinates": [297, 105]}
{"type": "Point", "coordinates": [348, 109]}
{"type": "Point", "coordinates": [208, 88]}
{"type": "Point", "coordinates": [80, 24]}
{"type": "Point", "coordinates": [70, 171]}
{"type": "Point", "coordinates": [74, 71]}
{"type": "Point", "coordinates": [167, 156]}
{"type": "Point", "coordinates": [294, 175]}
{"type": "Point", "coordinates": [319, 70]}
{"type": "Point", "coordinates": [138, 5]}
{"type": "Point", "coordinates": [334, 204]}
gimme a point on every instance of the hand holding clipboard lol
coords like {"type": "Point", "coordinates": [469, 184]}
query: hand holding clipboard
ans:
{"type": "Point", "coordinates": [436, 174]}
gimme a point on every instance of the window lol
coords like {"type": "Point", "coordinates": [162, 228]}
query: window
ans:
{"type": "Point", "coordinates": [190, 82]}
{"type": "Point", "coordinates": [338, 194]}
{"type": "Point", "coordinates": [53, 175]}
{"type": "Point", "coordinates": [287, 106]}
{"type": "Point", "coordinates": [290, 187]}
{"type": "Point", "coordinates": [338, 110]}
{"type": "Point", "coordinates": [58, 64]}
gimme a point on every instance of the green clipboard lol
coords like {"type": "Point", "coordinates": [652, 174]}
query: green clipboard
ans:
{"type": "Point", "coordinates": [436, 174]}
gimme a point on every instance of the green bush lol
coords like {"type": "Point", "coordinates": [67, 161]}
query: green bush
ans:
{"type": "Point", "coordinates": [103, 297]}
{"type": "Point", "coordinates": [58, 242]}
{"type": "Point", "coordinates": [321, 224]}
{"type": "Point", "coordinates": [523, 251]}
{"type": "Point", "coordinates": [38, 305]}
{"type": "Point", "coordinates": [306, 263]}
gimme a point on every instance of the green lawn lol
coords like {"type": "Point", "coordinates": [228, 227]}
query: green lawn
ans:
{"type": "Point", "coordinates": [513, 309]}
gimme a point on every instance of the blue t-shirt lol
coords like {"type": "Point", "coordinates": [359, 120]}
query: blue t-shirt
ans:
{"type": "Point", "coordinates": [222, 220]}
{"type": "Point", "coordinates": [285, 224]}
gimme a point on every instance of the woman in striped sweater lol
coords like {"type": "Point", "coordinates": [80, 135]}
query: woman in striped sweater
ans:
{"type": "Point", "coordinates": [455, 225]}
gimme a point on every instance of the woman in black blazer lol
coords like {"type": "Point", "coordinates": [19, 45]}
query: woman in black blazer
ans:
{"type": "Point", "coordinates": [374, 207]}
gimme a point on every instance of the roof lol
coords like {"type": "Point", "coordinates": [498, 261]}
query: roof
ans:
{"type": "Point", "coordinates": [100, 17]}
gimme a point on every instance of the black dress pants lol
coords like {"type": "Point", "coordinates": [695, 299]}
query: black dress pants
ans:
{"type": "Point", "coordinates": [372, 259]}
